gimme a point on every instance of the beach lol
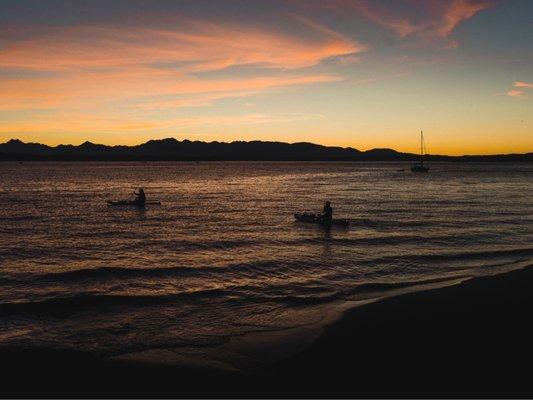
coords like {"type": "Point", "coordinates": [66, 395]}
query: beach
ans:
{"type": "Point", "coordinates": [468, 340]}
{"type": "Point", "coordinates": [472, 339]}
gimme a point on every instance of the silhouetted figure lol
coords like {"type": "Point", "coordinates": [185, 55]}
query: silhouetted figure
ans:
{"type": "Point", "coordinates": [327, 213]}
{"type": "Point", "coordinates": [140, 197]}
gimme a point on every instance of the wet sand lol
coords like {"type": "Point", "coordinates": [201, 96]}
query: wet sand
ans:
{"type": "Point", "coordinates": [470, 340]}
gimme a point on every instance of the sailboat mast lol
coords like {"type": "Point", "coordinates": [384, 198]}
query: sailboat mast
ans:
{"type": "Point", "coordinates": [421, 144]}
{"type": "Point", "coordinates": [419, 166]}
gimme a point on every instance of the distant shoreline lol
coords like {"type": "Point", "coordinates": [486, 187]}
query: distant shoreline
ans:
{"type": "Point", "coordinates": [186, 150]}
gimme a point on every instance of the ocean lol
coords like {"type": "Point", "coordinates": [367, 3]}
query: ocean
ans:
{"type": "Point", "coordinates": [222, 256]}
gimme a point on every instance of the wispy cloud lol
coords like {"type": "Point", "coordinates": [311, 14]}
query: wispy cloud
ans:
{"type": "Point", "coordinates": [522, 84]}
{"type": "Point", "coordinates": [455, 12]}
{"type": "Point", "coordinates": [140, 88]}
{"type": "Point", "coordinates": [436, 23]}
{"type": "Point", "coordinates": [190, 47]}
{"type": "Point", "coordinates": [201, 95]}
{"type": "Point", "coordinates": [431, 21]}
{"type": "Point", "coordinates": [83, 66]}
{"type": "Point", "coordinates": [515, 93]}
{"type": "Point", "coordinates": [519, 93]}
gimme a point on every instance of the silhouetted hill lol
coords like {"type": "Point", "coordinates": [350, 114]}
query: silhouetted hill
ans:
{"type": "Point", "coordinates": [172, 149]}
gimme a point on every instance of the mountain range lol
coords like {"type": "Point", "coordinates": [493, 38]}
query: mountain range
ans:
{"type": "Point", "coordinates": [186, 150]}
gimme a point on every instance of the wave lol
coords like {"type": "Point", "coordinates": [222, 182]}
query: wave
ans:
{"type": "Point", "coordinates": [19, 218]}
{"type": "Point", "coordinates": [310, 296]}
{"type": "Point", "coordinates": [187, 245]}
{"type": "Point", "coordinates": [255, 269]}
{"type": "Point", "coordinates": [386, 240]}
{"type": "Point", "coordinates": [440, 257]}
{"type": "Point", "coordinates": [387, 286]}
{"type": "Point", "coordinates": [104, 273]}
{"type": "Point", "coordinates": [63, 251]}
{"type": "Point", "coordinates": [78, 302]}
{"type": "Point", "coordinates": [83, 301]}
{"type": "Point", "coordinates": [363, 288]}
{"type": "Point", "coordinates": [237, 243]}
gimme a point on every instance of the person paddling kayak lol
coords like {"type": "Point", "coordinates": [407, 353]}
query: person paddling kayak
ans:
{"type": "Point", "coordinates": [140, 198]}
{"type": "Point", "coordinates": [327, 213]}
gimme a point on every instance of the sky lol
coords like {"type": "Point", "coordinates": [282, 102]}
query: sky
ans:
{"type": "Point", "coordinates": [359, 73]}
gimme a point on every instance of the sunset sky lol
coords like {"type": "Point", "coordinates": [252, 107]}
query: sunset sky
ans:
{"type": "Point", "coordinates": [360, 73]}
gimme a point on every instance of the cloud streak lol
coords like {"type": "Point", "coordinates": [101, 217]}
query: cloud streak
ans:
{"type": "Point", "coordinates": [519, 93]}
{"type": "Point", "coordinates": [429, 21]}
{"type": "Point", "coordinates": [87, 66]}
{"type": "Point", "coordinates": [191, 47]}
{"type": "Point", "coordinates": [436, 23]}
{"type": "Point", "coordinates": [140, 88]}
{"type": "Point", "coordinates": [515, 93]}
{"type": "Point", "coordinates": [205, 95]}
{"type": "Point", "coordinates": [522, 84]}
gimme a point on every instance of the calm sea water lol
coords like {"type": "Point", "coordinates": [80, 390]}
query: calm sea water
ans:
{"type": "Point", "coordinates": [223, 256]}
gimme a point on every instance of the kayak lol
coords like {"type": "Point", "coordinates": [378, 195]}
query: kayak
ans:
{"type": "Point", "coordinates": [131, 203]}
{"type": "Point", "coordinates": [317, 219]}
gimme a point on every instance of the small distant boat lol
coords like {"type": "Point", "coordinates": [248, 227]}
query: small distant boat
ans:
{"type": "Point", "coordinates": [419, 166]}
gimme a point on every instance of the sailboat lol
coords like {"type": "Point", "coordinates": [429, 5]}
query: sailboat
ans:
{"type": "Point", "coordinates": [419, 166]}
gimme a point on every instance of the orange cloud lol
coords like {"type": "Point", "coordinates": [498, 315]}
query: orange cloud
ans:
{"type": "Point", "coordinates": [213, 91]}
{"type": "Point", "coordinates": [515, 93]}
{"type": "Point", "coordinates": [456, 12]}
{"type": "Point", "coordinates": [429, 20]}
{"type": "Point", "coordinates": [441, 18]}
{"type": "Point", "coordinates": [193, 47]}
{"type": "Point", "coordinates": [522, 84]}
{"type": "Point", "coordinates": [139, 88]}
{"type": "Point", "coordinates": [519, 93]}
{"type": "Point", "coordinates": [89, 66]}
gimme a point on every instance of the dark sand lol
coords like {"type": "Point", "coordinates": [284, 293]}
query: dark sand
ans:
{"type": "Point", "coordinates": [470, 340]}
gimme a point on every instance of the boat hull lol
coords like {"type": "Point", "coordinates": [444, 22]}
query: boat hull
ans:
{"type": "Point", "coordinates": [317, 219]}
{"type": "Point", "coordinates": [131, 203]}
{"type": "Point", "coordinates": [419, 168]}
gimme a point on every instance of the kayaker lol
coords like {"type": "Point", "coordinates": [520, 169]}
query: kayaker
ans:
{"type": "Point", "coordinates": [327, 213]}
{"type": "Point", "coordinates": [140, 197]}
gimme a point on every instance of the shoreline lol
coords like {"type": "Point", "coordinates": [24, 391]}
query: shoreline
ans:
{"type": "Point", "coordinates": [463, 340]}
{"type": "Point", "coordinates": [253, 352]}
{"type": "Point", "coordinates": [272, 347]}
{"type": "Point", "coordinates": [460, 340]}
